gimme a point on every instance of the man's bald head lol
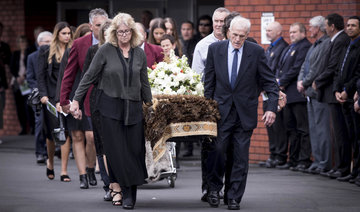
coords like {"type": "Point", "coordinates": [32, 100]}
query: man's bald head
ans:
{"type": "Point", "coordinates": [273, 31]}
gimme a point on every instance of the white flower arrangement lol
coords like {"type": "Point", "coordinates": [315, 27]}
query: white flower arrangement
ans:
{"type": "Point", "coordinates": [174, 77]}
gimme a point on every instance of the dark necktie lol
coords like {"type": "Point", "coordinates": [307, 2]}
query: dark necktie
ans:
{"type": "Point", "coordinates": [344, 61]}
{"type": "Point", "coordinates": [283, 59]}
{"type": "Point", "coordinates": [234, 68]}
{"type": "Point", "coordinates": [268, 51]}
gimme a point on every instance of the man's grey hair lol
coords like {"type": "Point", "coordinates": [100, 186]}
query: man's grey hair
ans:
{"type": "Point", "coordinates": [241, 22]}
{"type": "Point", "coordinates": [318, 21]}
{"type": "Point", "coordinates": [97, 12]}
{"type": "Point", "coordinates": [221, 10]}
{"type": "Point", "coordinates": [42, 35]}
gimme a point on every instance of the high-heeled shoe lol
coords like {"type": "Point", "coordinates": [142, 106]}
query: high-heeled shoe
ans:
{"type": "Point", "coordinates": [91, 175]}
{"type": "Point", "coordinates": [50, 172]}
{"type": "Point", "coordinates": [116, 202]}
{"type": "Point", "coordinates": [84, 181]}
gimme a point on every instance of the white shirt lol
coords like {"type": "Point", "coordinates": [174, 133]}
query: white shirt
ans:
{"type": "Point", "coordinates": [200, 53]}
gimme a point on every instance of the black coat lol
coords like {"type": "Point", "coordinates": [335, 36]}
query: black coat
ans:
{"type": "Point", "coordinates": [5, 56]}
{"type": "Point", "coordinates": [15, 63]}
{"type": "Point", "coordinates": [325, 80]}
{"type": "Point", "coordinates": [244, 96]}
{"type": "Point", "coordinates": [351, 71]}
{"type": "Point", "coordinates": [274, 54]}
{"type": "Point", "coordinates": [288, 70]}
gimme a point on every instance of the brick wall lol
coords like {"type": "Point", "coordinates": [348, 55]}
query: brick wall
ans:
{"type": "Point", "coordinates": [286, 12]}
{"type": "Point", "coordinates": [12, 16]}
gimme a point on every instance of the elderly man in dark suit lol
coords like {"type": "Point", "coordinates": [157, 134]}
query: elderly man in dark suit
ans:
{"type": "Point", "coordinates": [295, 112]}
{"type": "Point", "coordinates": [276, 132]}
{"type": "Point", "coordinates": [44, 38]}
{"type": "Point", "coordinates": [324, 83]}
{"type": "Point", "coordinates": [153, 52]}
{"type": "Point", "coordinates": [233, 82]}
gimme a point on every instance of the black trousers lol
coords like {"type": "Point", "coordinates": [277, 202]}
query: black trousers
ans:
{"type": "Point", "coordinates": [278, 143]}
{"type": "Point", "coordinates": [341, 144]}
{"type": "Point", "coordinates": [231, 148]}
{"type": "Point", "coordinates": [353, 128]}
{"type": "Point", "coordinates": [297, 127]}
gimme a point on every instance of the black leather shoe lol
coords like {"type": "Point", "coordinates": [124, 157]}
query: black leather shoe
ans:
{"type": "Point", "coordinates": [336, 174]}
{"type": "Point", "coordinates": [327, 173]}
{"type": "Point", "coordinates": [213, 199]}
{"type": "Point", "coordinates": [357, 181]}
{"type": "Point", "coordinates": [302, 167]}
{"type": "Point", "coordinates": [310, 170]}
{"type": "Point", "coordinates": [91, 175]}
{"type": "Point", "coordinates": [346, 178]}
{"type": "Point", "coordinates": [270, 163]}
{"type": "Point", "coordinates": [40, 159]}
{"type": "Point", "coordinates": [233, 205]}
{"type": "Point", "coordinates": [107, 196]}
{"type": "Point", "coordinates": [204, 195]}
{"type": "Point", "coordinates": [84, 181]}
{"type": "Point", "coordinates": [352, 181]}
{"type": "Point", "coordinates": [318, 171]}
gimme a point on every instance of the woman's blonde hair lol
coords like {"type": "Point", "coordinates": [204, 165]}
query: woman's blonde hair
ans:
{"type": "Point", "coordinates": [55, 43]}
{"type": "Point", "coordinates": [123, 18]}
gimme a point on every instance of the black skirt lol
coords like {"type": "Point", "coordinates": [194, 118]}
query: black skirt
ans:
{"type": "Point", "coordinates": [124, 147]}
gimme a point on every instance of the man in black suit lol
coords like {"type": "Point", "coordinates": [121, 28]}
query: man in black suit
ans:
{"type": "Point", "coordinates": [324, 83]}
{"type": "Point", "coordinates": [344, 89]}
{"type": "Point", "coordinates": [295, 112]}
{"type": "Point", "coordinates": [233, 82]}
{"type": "Point", "coordinates": [276, 132]}
{"type": "Point", "coordinates": [44, 38]}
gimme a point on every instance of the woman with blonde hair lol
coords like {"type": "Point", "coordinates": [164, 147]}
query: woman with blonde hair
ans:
{"type": "Point", "coordinates": [48, 73]}
{"type": "Point", "coordinates": [120, 66]}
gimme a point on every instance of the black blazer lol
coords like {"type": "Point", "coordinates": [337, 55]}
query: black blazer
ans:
{"type": "Point", "coordinates": [325, 80]}
{"type": "Point", "coordinates": [351, 71]}
{"type": "Point", "coordinates": [253, 68]}
{"type": "Point", "coordinates": [288, 70]}
{"type": "Point", "coordinates": [5, 56]}
{"type": "Point", "coordinates": [274, 55]}
{"type": "Point", "coordinates": [15, 63]}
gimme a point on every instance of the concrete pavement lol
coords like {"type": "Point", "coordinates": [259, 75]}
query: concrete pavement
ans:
{"type": "Point", "coordinates": [25, 187]}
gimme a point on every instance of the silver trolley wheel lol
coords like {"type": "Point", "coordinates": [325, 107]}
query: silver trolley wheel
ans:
{"type": "Point", "coordinates": [171, 181]}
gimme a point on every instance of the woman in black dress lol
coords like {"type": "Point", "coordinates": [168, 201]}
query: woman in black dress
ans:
{"type": "Point", "coordinates": [120, 65]}
{"type": "Point", "coordinates": [48, 72]}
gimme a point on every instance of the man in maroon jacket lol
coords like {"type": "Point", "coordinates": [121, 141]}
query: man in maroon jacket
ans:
{"type": "Point", "coordinates": [84, 156]}
{"type": "Point", "coordinates": [153, 52]}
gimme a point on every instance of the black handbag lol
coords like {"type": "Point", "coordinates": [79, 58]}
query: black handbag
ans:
{"type": "Point", "coordinates": [59, 134]}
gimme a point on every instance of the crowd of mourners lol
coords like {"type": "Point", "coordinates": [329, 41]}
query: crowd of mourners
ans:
{"type": "Point", "coordinates": [97, 74]}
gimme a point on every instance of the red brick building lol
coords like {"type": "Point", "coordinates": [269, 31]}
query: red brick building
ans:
{"type": "Point", "coordinates": [22, 16]}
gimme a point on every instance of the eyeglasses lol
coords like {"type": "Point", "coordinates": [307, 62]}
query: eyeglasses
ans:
{"type": "Point", "coordinates": [123, 32]}
{"type": "Point", "coordinates": [202, 24]}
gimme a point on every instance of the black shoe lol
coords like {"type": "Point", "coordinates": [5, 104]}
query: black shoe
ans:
{"type": "Point", "coordinates": [352, 181]}
{"type": "Point", "coordinates": [84, 181]}
{"type": "Point", "coordinates": [91, 175]}
{"type": "Point", "coordinates": [107, 196]}
{"type": "Point", "coordinates": [188, 154]}
{"type": "Point", "coordinates": [336, 174]}
{"type": "Point", "coordinates": [213, 199]}
{"type": "Point", "coordinates": [318, 171]}
{"type": "Point", "coordinates": [233, 205]}
{"type": "Point", "coordinates": [40, 159]}
{"type": "Point", "coordinates": [346, 178]}
{"type": "Point", "coordinates": [270, 163]}
{"type": "Point", "coordinates": [302, 167]}
{"type": "Point", "coordinates": [285, 166]}
{"type": "Point", "coordinates": [310, 170]}
{"type": "Point", "coordinates": [204, 195]}
{"type": "Point", "coordinates": [357, 181]}
{"type": "Point", "coordinates": [327, 173]}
